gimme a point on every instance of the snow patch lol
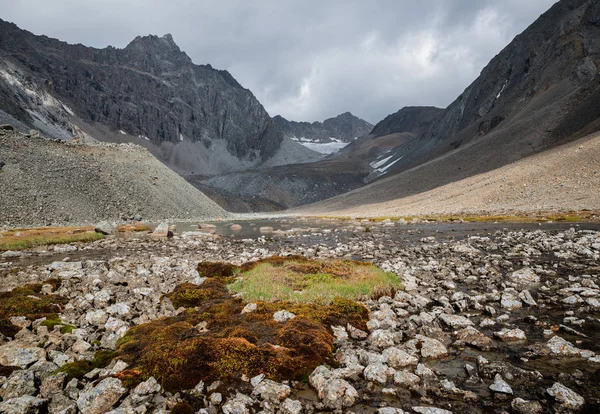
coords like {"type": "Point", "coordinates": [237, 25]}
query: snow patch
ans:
{"type": "Point", "coordinates": [502, 90]}
{"type": "Point", "coordinates": [143, 137]}
{"type": "Point", "coordinates": [324, 148]}
{"type": "Point", "coordinates": [377, 164]}
{"type": "Point", "coordinates": [180, 136]}
{"type": "Point", "coordinates": [122, 132]}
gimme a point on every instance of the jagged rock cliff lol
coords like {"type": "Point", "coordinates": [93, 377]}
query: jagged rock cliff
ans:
{"type": "Point", "coordinates": [194, 117]}
{"type": "Point", "coordinates": [345, 128]}
{"type": "Point", "coordinates": [413, 119]}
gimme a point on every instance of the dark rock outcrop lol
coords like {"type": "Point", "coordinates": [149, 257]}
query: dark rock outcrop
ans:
{"type": "Point", "coordinates": [413, 119]}
{"type": "Point", "coordinates": [345, 127]}
{"type": "Point", "coordinates": [150, 91]}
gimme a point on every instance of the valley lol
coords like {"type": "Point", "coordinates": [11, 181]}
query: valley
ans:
{"type": "Point", "coordinates": [174, 239]}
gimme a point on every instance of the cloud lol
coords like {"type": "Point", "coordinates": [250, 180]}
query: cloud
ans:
{"type": "Point", "coordinates": [308, 60]}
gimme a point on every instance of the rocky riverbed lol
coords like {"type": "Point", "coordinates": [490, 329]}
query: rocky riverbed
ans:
{"type": "Point", "coordinates": [492, 319]}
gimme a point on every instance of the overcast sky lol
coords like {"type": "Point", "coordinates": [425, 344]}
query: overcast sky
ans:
{"type": "Point", "coordinates": [308, 60]}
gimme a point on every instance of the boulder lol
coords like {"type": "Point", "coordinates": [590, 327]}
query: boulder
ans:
{"type": "Point", "coordinates": [283, 316]}
{"type": "Point", "coordinates": [102, 397]}
{"type": "Point", "coordinates": [524, 277]}
{"type": "Point", "coordinates": [161, 231]}
{"type": "Point", "coordinates": [104, 227]}
{"type": "Point", "coordinates": [20, 354]}
{"type": "Point", "coordinates": [334, 392]}
{"type": "Point", "coordinates": [566, 397]}
{"type": "Point", "coordinates": [23, 405]}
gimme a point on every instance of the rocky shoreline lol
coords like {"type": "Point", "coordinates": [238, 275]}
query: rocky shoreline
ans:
{"type": "Point", "coordinates": [491, 320]}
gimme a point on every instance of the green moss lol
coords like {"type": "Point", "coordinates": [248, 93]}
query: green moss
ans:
{"type": "Point", "coordinates": [78, 369]}
{"type": "Point", "coordinates": [54, 321]}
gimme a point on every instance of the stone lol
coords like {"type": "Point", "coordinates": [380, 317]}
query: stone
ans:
{"type": "Point", "coordinates": [501, 386]}
{"type": "Point", "coordinates": [356, 333]}
{"type": "Point", "coordinates": [397, 358]}
{"type": "Point", "coordinates": [471, 336]}
{"type": "Point", "coordinates": [561, 347]}
{"type": "Point", "coordinates": [238, 405]}
{"type": "Point", "coordinates": [510, 301]}
{"type": "Point", "coordinates": [389, 410]}
{"type": "Point", "coordinates": [104, 227]}
{"type": "Point", "coordinates": [119, 309]}
{"type": "Point", "coordinates": [19, 383]}
{"type": "Point", "coordinates": [235, 227]}
{"type": "Point", "coordinates": [431, 348]}
{"type": "Point", "coordinates": [511, 335]}
{"type": "Point", "coordinates": [161, 231]}
{"type": "Point", "coordinates": [524, 277]}
{"type": "Point", "coordinates": [455, 321]}
{"type": "Point", "coordinates": [430, 410]}
{"type": "Point", "coordinates": [289, 406]}
{"type": "Point", "coordinates": [335, 393]}
{"type": "Point", "coordinates": [20, 354]}
{"type": "Point", "coordinates": [96, 317]}
{"type": "Point", "coordinates": [23, 405]}
{"type": "Point", "coordinates": [250, 307]}
{"type": "Point", "coordinates": [102, 397]}
{"type": "Point", "coordinates": [521, 406]}
{"type": "Point", "coordinates": [406, 379]}
{"type": "Point", "coordinates": [216, 398]}
{"type": "Point", "coordinates": [265, 230]}
{"type": "Point", "coordinates": [283, 316]}
{"type": "Point", "coordinates": [272, 391]}
{"type": "Point", "coordinates": [257, 379]}
{"type": "Point", "coordinates": [381, 338]}
{"type": "Point", "coordinates": [566, 397]}
{"type": "Point", "coordinates": [527, 299]}
{"type": "Point", "coordinates": [376, 372]}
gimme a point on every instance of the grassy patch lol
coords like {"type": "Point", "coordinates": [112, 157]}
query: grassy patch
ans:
{"type": "Point", "coordinates": [19, 239]}
{"type": "Point", "coordinates": [314, 282]}
{"type": "Point", "coordinates": [28, 301]}
{"type": "Point", "coordinates": [212, 339]}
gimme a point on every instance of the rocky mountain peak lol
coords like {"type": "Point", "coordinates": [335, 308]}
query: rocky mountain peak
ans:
{"type": "Point", "coordinates": [164, 47]}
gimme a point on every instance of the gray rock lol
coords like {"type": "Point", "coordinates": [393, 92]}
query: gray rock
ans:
{"type": "Point", "coordinates": [19, 384]}
{"type": "Point", "coordinates": [283, 316]}
{"type": "Point", "coordinates": [272, 391]}
{"type": "Point", "coordinates": [397, 358]}
{"type": "Point", "coordinates": [289, 406]}
{"type": "Point", "coordinates": [334, 392]}
{"type": "Point", "coordinates": [566, 397]}
{"type": "Point", "coordinates": [432, 348]}
{"type": "Point", "coordinates": [20, 354]}
{"type": "Point", "coordinates": [102, 397]}
{"type": "Point", "coordinates": [501, 386]}
{"type": "Point", "coordinates": [161, 231]}
{"type": "Point", "coordinates": [377, 373]}
{"type": "Point", "coordinates": [455, 321]}
{"type": "Point", "coordinates": [104, 227]}
{"type": "Point", "coordinates": [524, 277]}
{"type": "Point", "coordinates": [511, 335]}
{"type": "Point", "coordinates": [522, 406]}
{"type": "Point", "coordinates": [23, 405]}
{"type": "Point", "coordinates": [430, 410]}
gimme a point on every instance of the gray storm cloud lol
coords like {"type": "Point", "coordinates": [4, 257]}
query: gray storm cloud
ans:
{"type": "Point", "coordinates": [308, 60]}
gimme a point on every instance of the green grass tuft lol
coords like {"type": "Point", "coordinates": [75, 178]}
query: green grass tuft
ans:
{"type": "Point", "coordinates": [320, 284]}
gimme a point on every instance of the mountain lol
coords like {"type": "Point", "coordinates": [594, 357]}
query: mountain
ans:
{"type": "Point", "coordinates": [542, 91]}
{"type": "Point", "coordinates": [343, 128]}
{"type": "Point", "coordinates": [193, 117]}
{"type": "Point", "coordinates": [413, 119]}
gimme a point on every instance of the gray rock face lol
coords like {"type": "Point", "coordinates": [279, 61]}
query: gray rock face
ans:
{"type": "Point", "coordinates": [150, 89]}
{"type": "Point", "coordinates": [345, 127]}
{"type": "Point", "coordinates": [415, 119]}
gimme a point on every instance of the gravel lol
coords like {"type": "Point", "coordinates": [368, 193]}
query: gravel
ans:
{"type": "Point", "coordinates": [52, 182]}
